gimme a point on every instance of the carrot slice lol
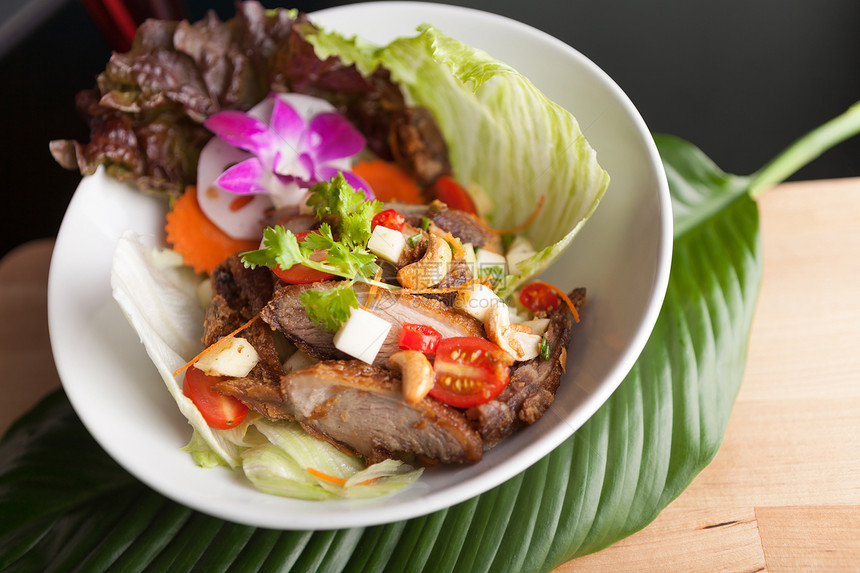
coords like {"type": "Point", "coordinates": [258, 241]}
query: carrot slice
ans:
{"type": "Point", "coordinates": [389, 181]}
{"type": "Point", "coordinates": [202, 244]}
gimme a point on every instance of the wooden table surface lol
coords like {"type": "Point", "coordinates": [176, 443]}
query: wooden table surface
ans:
{"type": "Point", "coordinates": [783, 493]}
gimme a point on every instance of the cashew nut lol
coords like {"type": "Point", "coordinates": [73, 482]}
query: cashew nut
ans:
{"type": "Point", "coordinates": [432, 267]}
{"type": "Point", "coordinates": [510, 337]}
{"type": "Point", "coordinates": [416, 374]}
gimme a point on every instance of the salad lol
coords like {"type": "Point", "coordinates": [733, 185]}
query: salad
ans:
{"type": "Point", "coordinates": [347, 292]}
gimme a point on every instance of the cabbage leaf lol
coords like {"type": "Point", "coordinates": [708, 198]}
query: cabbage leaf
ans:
{"type": "Point", "coordinates": [505, 137]}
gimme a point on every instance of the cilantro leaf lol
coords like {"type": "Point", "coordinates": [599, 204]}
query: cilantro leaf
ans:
{"type": "Point", "coordinates": [495, 273]}
{"type": "Point", "coordinates": [330, 308]}
{"type": "Point", "coordinates": [280, 249]}
{"type": "Point", "coordinates": [337, 198]}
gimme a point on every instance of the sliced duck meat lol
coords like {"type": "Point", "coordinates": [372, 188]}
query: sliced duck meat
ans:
{"type": "Point", "coordinates": [286, 314]}
{"type": "Point", "coordinates": [418, 145]}
{"type": "Point", "coordinates": [362, 407]}
{"type": "Point", "coordinates": [238, 295]}
{"type": "Point", "coordinates": [533, 384]}
{"type": "Point", "coordinates": [465, 226]}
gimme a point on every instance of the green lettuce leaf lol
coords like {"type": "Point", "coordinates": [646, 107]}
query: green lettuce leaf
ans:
{"type": "Point", "coordinates": [507, 140]}
{"type": "Point", "coordinates": [162, 306]}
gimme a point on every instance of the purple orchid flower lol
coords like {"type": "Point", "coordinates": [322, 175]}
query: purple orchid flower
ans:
{"type": "Point", "coordinates": [290, 152]}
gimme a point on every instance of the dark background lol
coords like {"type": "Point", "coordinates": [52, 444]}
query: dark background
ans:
{"type": "Point", "coordinates": [741, 79]}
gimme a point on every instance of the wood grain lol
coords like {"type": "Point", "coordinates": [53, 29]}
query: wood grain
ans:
{"type": "Point", "coordinates": [790, 461]}
{"type": "Point", "coordinates": [810, 538]}
{"type": "Point", "coordinates": [25, 350]}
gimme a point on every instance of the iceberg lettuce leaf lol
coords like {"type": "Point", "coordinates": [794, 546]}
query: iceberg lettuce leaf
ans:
{"type": "Point", "coordinates": [505, 137]}
{"type": "Point", "coordinates": [162, 306]}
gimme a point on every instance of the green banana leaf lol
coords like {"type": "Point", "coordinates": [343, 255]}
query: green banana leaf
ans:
{"type": "Point", "coordinates": [67, 506]}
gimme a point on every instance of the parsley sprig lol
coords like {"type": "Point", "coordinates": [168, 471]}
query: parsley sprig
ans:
{"type": "Point", "coordinates": [347, 257]}
{"type": "Point", "coordinates": [337, 202]}
{"type": "Point", "coordinates": [330, 308]}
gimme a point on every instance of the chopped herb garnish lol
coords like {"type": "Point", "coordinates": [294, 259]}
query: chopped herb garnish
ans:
{"type": "Point", "coordinates": [425, 223]}
{"type": "Point", "coordinates": [496, 274]}
{"type": "Point", "coordinates": [347, 256]}
{"type": "Point", "coordinates": [545, 350]}
{"type": "Point", "coordinates": [330, 308]}
{"type": "Point", "coordinates": [354, 213]}
{"type": "Point", "coordinates": [414, 240]}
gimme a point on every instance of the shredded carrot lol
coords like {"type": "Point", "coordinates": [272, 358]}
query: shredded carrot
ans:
{"type": "Point", "coordinates": [389, 181]}
{"type": "Point", "coordinates": [371, 294]}
{"type": "Point", "coordinates": [213, 346]}
{"type": "Point", "coordinates": [563, 296]}
{"type": "Point", "coordinates": [525, 224]}
{"type": "Point", "coordinates": [456, 245]}
{"type": "Point", "coordinates": [202, 244]}
{"type": "Point", "coordinates": [483, 280]}
{"type": "Point", "coordinates": [326, 477]}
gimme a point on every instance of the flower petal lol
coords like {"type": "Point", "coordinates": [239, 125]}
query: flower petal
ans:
{"type": "Point", "coordinates": [310, 170]}
{"type": "Point", "coordinates": [330, 136]}
{"type": "Point", "coordinates": [244, 178]}
{"type": "Point", "coordinates": [242, 130]}
{"type": "Point", "coordinates": [287, 124]}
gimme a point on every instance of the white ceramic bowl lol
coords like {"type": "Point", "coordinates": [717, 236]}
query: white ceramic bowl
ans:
{"type": "Point", "coordinates": [622, 256]}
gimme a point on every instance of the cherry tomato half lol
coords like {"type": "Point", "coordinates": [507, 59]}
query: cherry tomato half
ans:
{"type": "Point", "coordinates": [388, 218]}
{"type": "Point", "coordinates": [419, 337]}
{"type": "Point", "coordinates": [454, 195]}
{"type": "Point", "coordinates": [469, 371]}
{"type": "Point", "coordinates": [300, 274]}
{"type": "Point", "coordinates": [539, 296]}
{"type": "Point", "coordinates": [220, 412]}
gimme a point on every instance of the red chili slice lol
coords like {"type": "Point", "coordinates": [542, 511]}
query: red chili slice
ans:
{"type": "Point", "coordinates": [390, 219]}
{"type": "Point", "coordinates": [419, 337]}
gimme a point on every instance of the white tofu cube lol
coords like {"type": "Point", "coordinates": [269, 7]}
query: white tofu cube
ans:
{"type": "Point", "coordinates": [470, 258]}
{"type": "Point", "coordinates": [538, 325]}
{"type": "Point", "coordinates": [362, 335]}
{"type": "Point", "coordinates": [519, 250]}
{"type": "Point", "coordinates": [297, 361]}
{"type": "Point", "coordinates": [386, 243]}
{"type": "Point", "coordinates": [530, 344]}
{"type": "Point", "coordinates": [234, 357]}
{"type": "Point", "coordinates": [485, 259]}
{"type": "Point", "coordinates": [476, 301]}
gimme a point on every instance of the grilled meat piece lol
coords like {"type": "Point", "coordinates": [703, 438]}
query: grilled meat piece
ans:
{"type": "Point", "coordinates": [418, 145]}
{"type": "Point", "coordinates": [362, 406]}
{"type": "Point", "coordinates": [286, 314]}
{"type": "Point", "coordinates": [238, 294]}
{"type": "Point", "coordinates": [533, 384]}
{"type": "Point", "coordinates": [463, 225]}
